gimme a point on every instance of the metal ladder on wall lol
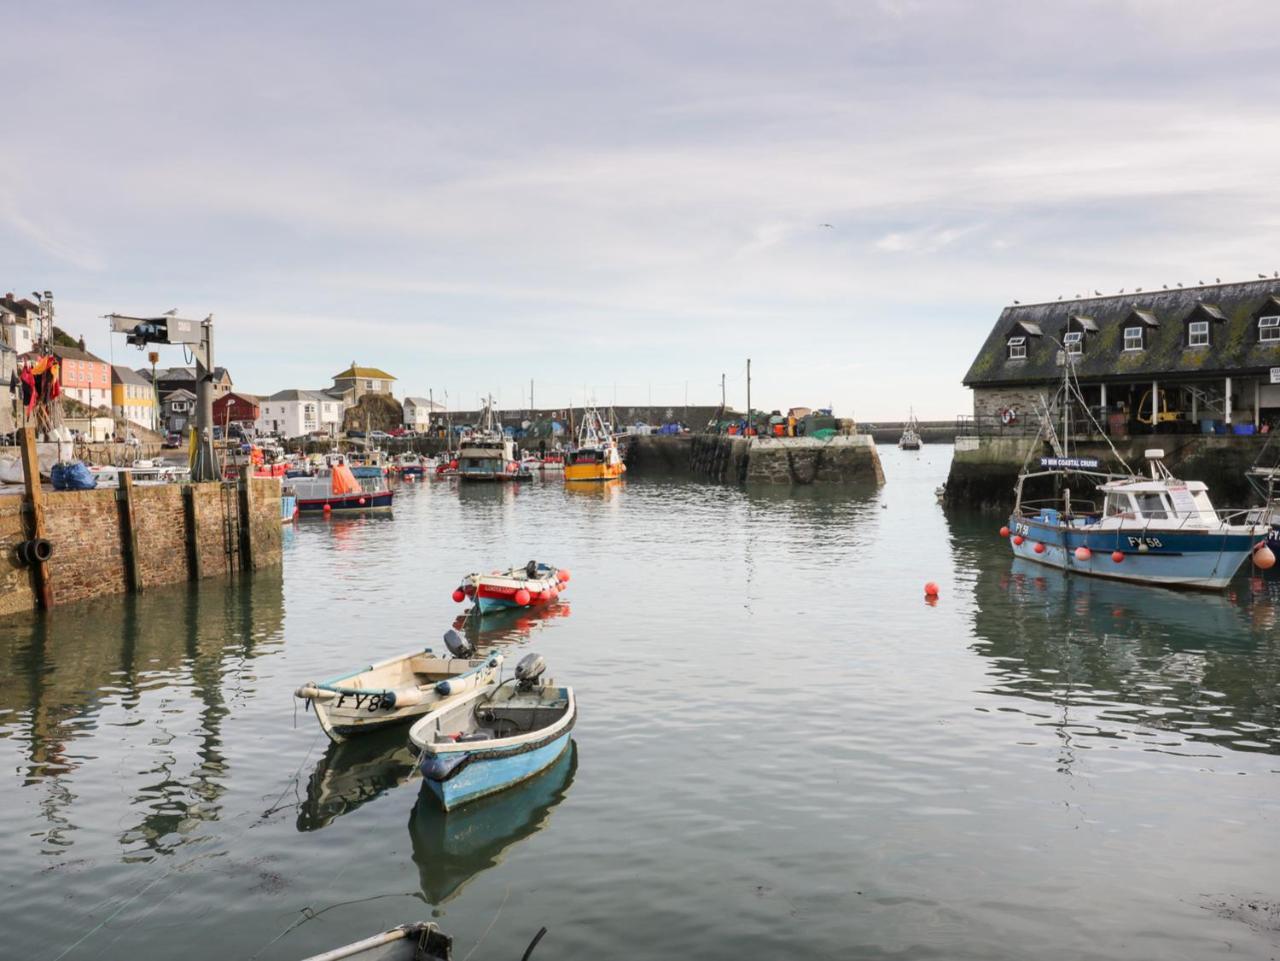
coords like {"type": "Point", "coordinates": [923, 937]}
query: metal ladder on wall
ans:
{"type": "Point", "coordinates": [230, 500]}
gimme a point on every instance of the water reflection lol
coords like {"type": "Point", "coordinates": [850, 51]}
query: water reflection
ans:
{"type": "Point", "coordinates": [105, 665]}
{"type": "Point", "coordinates": [353, 773]}
{"type": "Point", "coordinates": [502, 628]}
{"type": "Point", "coordinates": [451, 849]}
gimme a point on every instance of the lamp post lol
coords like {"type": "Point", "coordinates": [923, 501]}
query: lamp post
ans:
{"type": "Point", "coordinates": [154, 357]}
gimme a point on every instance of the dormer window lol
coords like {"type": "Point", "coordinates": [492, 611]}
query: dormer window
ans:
{"type": "Point", "coordinates": [1018, 347]}
{"type": "Point", "coordinates": [1133, 338]}
{"type": "Point", "coordinates": [1198, 333]}
{"type": "Point", "coordinates": [1073, 342]}
{"type": "Point", "coordinates": [1269, 329]}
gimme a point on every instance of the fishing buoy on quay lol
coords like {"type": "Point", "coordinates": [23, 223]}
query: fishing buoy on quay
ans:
{"type": "Point", "coordinates": [1117, 556]}
{"type": "Point", "coordinates": [1264, 557]}
{"type": "Point", "coordinates": [1083, 554]}
{"type": "Point", "coordinates": [931, 589]}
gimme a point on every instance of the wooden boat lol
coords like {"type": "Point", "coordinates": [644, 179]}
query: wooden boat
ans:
{"type": "Point", "coordinates": [533, 585]}
{"type": "Point", "coordinates": [339, 490]}
{"type": "Point", "coordinates": [419, 941]}
{"type": "Point", "coordinates": [596, 456]}
{"type": "Point", "coordinates": [398, 689]}
{"type": "Point", "coordinates": [491, 738]}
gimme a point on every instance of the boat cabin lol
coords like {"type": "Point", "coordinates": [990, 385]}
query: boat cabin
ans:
{"type": "Point", "coordinates": [1185, 503]}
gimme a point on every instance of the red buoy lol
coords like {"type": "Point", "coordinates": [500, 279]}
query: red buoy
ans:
{"type": "Point", "coordinates": [1264, 558]}
{"type": "Point", "coordinates": [1083, 554]}
{"type": "Point", "coordinates": [362, 502]}
{"type": "Point", "coordinates": [1004, 532]}
{"type": "Point", "coordinates": [328, 508]}
{"type": "Point", "coordinates": [458, 596]}
{"type": "Point", "coordinates": [1018, 539]}
{"type": "Point", "coordinates": [1039, 548]}
{"type": "Point", "coordinates": [931, 589]}
{"type": "Point", "coordinates": [522, 597]}
{"type": "Point", "coordinates": [562, 575]}
{"type": "Point", "coordinates": [1117, 556]}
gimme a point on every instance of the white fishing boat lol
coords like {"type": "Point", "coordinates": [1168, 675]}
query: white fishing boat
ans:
{"type": "Point", "coordinates": [493, 737]}
{"type": "Point", "coordinates": [420, 941]}
{"type": "Point", "coordinates": [910, 439]}
{"type": "Point", "coordinates": [398, 689]}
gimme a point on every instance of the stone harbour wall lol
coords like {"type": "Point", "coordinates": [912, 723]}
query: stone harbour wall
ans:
{"type": "Point", "coordinates": [183, 531]}
{"type": "Point", "coordinates": [843, 459]}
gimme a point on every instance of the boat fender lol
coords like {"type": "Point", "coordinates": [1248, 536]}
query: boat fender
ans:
{"type": "Point", "coordinates": [1009, 416]}
{"type": "Point", "coordinates": [441, 767]}
{"type": "Point", "coordinates": [35, 551]}
{"type": "Point", "coordinates": [311, 692]}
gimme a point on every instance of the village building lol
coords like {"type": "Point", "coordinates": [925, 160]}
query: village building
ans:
{"type": "Point", "coordinates": [177, 409]}
{"type": "Point", "coordinates": [132, 398]}
{"type": "Point", "coordinates": [17, 324]}
{"type": "Point", "coordinates": [418, 411]}
{"type": "Point", "coordinates": [295, 413]}
{"type": "Point", "coordinates": [1204, 359]}
{"type": "Point", "coordinates": [84, 377]}
{"type": "Point", "coordinates": [169, 379]}
{"type": "Point", "coordinates": [354, 382]}
{"type": "Point", "coordinates": [237, 409]}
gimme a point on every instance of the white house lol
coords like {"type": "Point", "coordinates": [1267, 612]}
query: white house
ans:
{"type": "Point", "coordinates": [418, 411]}
{"type": "Point", "coordinates": [293, 413]}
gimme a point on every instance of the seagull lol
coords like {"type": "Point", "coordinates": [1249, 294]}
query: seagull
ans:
{"type": "Point", "coordinates": [1217, 280]}
{"type": "Point", "coordinates": [827, 225]}
{"type": "Point", "coordinates": [1017, 301]}
{"type": "Point", "coordinates": [1262, 276]}
{"type": "Point", "coordinates": [1137, 290]}
{"type": "Point", "coordinates": [1059, 296]}
{"type": "Point", "coordinates": [1199, 283]}
{"type": "Point", "coordinates": [171, 312]}
{"type": "Point", "coordinates": [1097, 293]}
{"type": "Point", "coordinates": [1122, 290]}
{"type": "Point", "coordinates": [1179, 284]}
{"type": "Point", "coordinates": [1166, 286]}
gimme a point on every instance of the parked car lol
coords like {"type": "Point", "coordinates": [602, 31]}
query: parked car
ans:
{"type": "Point", "coordinates": [355, 434]}
{"type": "Point", "coordinates": [379, 435]}
{"type": "Point", "coordinates": [400, 432]}
{"type": "Point", "coordinates": [172, 439]}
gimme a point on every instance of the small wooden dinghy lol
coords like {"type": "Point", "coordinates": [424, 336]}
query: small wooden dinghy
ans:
{"type": "Point", "coordinates": [491, 738]}
{"type": "Point", "coordinates": [533, 585]}
{"type": "Point", "coordinates": [421, 941]}
{"type": "Point", "coordinates": [399, 688]}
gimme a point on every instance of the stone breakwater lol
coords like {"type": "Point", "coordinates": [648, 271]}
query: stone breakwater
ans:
{"type": "Point", "coordinates": [844, 459]}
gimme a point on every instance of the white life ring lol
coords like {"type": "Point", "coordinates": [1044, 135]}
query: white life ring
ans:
{"type": "Point", "coordinates": [1009, 416]}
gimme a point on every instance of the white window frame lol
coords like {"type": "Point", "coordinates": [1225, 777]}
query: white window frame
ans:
{"type": "Point", "coordinates": [1017, 348]}
{"type": "Point", "coordinates": [1137, 334]}
{"type": "Point", "coordinates": [1198, 333]}
{"type": "Point", "coordinates": [1269, 329]}
{"type": "Point", "coordinates": [1073, 342]}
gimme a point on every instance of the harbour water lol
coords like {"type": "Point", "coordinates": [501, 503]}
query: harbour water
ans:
{"type": "Point", "coordinates": [783, 750]}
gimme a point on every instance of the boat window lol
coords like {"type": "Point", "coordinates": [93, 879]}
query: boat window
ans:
{"type": "Point", "coordinates": [1153, 506]}
{"type": "Point", "coordinates": [1117, 504]}
{"type": "Point", "coordinates": [1204, 505]}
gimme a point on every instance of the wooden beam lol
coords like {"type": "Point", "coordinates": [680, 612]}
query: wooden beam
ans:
{"type": "Point", "coordinates": [35, 514]}
{"type": "Point", "coordinates": [193, 531]}
{"type": "Point", "coordinates": [246, 521]}
{"type": "Point", "coordinates": [128, 523]}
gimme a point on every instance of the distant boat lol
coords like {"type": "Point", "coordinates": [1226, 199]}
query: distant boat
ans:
{"type": "Point", "coordinates": [420, 941]}
{"type": "Point", "coordinates": [533, 585]}
{"type": "Point", "coordinates": [910, 439]}
{"type": "Point", "coordinates": [339, 490]}
{"type": "Point", "coordinates": [494, 737]}
{"type": "Point", "coordinates": [488, 454]}
{"type": "Point", "coordinates": [410, 464]}
{"type": "Point", "coordinates": [595, 457]}
{"type": "Point", "coordinates": [288, 506]}
{"type": "Point", "coordinates": [398, 689]}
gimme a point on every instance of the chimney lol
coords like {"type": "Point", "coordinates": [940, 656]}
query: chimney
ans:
{"type": "Point", "coordinates": [82, 341]}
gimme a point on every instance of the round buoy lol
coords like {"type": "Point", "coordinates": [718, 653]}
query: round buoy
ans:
{"type": "Point", "coordinates": [1039, 548]}
{"type": "Point", "coordinates": [1083, 554]}
{"type": "Point", "coordinates": [1004, 532]}
{"type": "Point", "coordinates": [362, 502]}
{"type": "Point", "coordinates": [458, 595]}
{"type": "Point", "coordinates": [328, 508]}
{"type": "Point", "coordinates": [1264, 558]}
{"type": "Point", "coordinates": [522, 597]}
{"type": "Point", "coordinates": [931, 589]}
{"type": "Point", "coordinates": [562, 575]}
{"type": "Point", "coordinates": [1018, 539]}
{"type": "Point", "coordinates": [1117, 556]}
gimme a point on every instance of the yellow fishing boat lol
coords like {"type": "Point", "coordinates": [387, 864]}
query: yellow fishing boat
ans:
{"type": "Point", "coordinates": [596, 456]}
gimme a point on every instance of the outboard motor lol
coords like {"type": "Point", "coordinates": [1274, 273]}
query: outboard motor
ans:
{"type": "Point", "coordinates": [528, 671]}
{"type": "Point", "coordinates": [531, 570]}
{"type": "Point", "coordinates": [458, 645]}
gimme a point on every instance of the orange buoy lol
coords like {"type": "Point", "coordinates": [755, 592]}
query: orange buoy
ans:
{"type": "Point", "coordinates": [1264, 558]}
{"type": "Point", "coordinates": [931, 589]}
{"type": "Point", "coordinates": [562, 576]}
{"type": "Point", "coordinates": [458, 595]}
{"type": "Point", "coordinates": [1018, 539]}
{"type": "Point", "coordinates": [328, 508]}
{"type": "Point", "coordinates": [522, 597]}
{"type": "Point", "coordinates": [1083, 554]}
{"type": "Point", "coordinates": [1117, 556]}
{"type": "Point", "coordinates": [1039, 548]}
{"type": "Point", "coordinates": [1004, 532]}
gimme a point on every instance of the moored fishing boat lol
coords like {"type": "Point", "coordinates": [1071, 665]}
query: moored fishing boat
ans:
{"type": "Point", "coordinates": [488, 454]}
{"type": "Point", "coordinates": [533, 585]}
{"type": "Point", "coordinates": [420, 941]}
{"type": "Point", "coordinates": [339, 490]}
{"type": "Point", "coordinates": [410, 464]}
{"type": "Point", "coordinates": [494, 737]}
{"type": "Point", "coordinates": [398, 689]}
{"type": "Point", "coordinates": [595, 457]}
{"type": "Point", "coordinates": [288, 506]}
{"type": "Point", "coordinates": [910, 439]}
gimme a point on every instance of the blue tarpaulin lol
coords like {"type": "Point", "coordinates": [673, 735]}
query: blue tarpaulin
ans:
{"type": "Point", "coordinates": [72, 476]}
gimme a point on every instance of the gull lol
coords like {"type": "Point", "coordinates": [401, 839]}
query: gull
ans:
{"type": "Point", "coordinates": [827, 225]}
{"type": "Point", "coordinates": [1137, 290]}
{"type": "Point", "coordinates": [1179, 284]}
{"type": "Point", "coordinates": [1122, 290]}
{"type": "Point", "coordinates": [1017, 301]}
{"type": "Point", "coordinates": [1166, 286]}
{"type": "Point", "coordinates": [1217, 280]}
{"type": "Point", "coordinates": [1262, 276]}
{"type": "Point", "coordinates": [1059, 296]}
{"type": "Point", "coordinates": [1199, 283]}
{"type": "Point", "coordinates": [1097, 293]}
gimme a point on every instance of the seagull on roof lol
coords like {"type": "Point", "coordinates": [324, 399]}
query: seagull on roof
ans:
{"type": "Point", "coordinates": [171, 312]}
{"type": "Point", "coordinates": [1097, 293]}
{"type": "Point", "coordinates": [1262, 276]}
{"type": "Point", "coordinates": [832, 226]}
{"type": "Point", "coordinates": [1179, 283]}
{"type": "Point", "coordinates": [1059, 296]}
{"type": "Point", "coordinates": [1122, 290]}
{"type": "Point", "coordinates": [1017, 301]}
{"type": "Point", "coordinates": [1137, 290]}
{"type": "Point", "coordinates": [1217, 280]}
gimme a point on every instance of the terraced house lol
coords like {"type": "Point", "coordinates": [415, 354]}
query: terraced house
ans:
{"type": "Point", "coordinates": [1201, 359]}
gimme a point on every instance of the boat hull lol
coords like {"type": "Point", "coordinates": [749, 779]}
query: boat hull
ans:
{"type": "Point", "coordinates": [357, 501]}
{"type": "Point", "coordinates": [593, 472]}
{"type": "Point", "coordinates": [487, 773]}
{"type": "Point", "coordinates": [1170, 558]}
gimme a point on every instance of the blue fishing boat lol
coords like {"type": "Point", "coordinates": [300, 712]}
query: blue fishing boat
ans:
{"type": "Point", "coordinates": [288, 506]}
{"type": "Point", "coordinates": [494, 737]}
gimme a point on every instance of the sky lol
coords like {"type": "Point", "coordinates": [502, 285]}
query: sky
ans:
{"type": "Point", "coordinates": [623, 201]}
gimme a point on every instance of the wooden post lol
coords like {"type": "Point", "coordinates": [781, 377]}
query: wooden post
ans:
{"type": "Point", "coordinates": [133, 563]}
{"type": "Point", "coordinates": [246, 524]}
{"type": "Point", "coordinates": [35, 513]}
{"type": "Point", "coordinates": [193, 531]}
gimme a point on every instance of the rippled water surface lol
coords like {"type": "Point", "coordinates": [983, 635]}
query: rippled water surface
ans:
{"type": "Point", "coordinates": [783, 751]}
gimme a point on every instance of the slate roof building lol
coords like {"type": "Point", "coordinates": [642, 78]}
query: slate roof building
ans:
{"type": "Point", "coordinates": [356, 381]}
{"type": "Point", "coordinates": [1194, 359]}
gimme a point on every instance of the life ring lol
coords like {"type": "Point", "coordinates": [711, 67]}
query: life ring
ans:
{"type": "Point", "coordinates": [1009, 416]}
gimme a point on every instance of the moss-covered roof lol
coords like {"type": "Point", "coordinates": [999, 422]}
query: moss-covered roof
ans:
{"type": "Point", "coordinates": [1234, 347]}
{"type": "Point", "coordinates": [354, 372]}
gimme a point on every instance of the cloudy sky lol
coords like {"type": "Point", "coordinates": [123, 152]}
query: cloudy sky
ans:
{"type": "Point", "coordinates": [629, 199]}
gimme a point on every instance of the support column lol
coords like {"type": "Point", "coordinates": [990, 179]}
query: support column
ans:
{"type": "Point", "coordinates": [1155, 405]}
{"type": "Point", "coordinates": [1226, 404]}
{"type": "Point", "coordinates": [1195, 405]}
{"type": "Point", "coordinates": [35, 513]}
{"type": "Point", "coordinates": [1257, 402]}
{"type": "Point", "coordinates": [129, 523]}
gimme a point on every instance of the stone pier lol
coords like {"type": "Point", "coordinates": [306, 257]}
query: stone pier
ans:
{"type": "Point", "coordinates": [843, 459]}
